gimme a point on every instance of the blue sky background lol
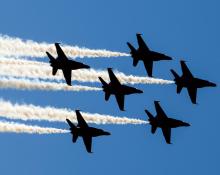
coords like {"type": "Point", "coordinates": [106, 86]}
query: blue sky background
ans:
{"type": "Point", "coordinates": [182, 29]}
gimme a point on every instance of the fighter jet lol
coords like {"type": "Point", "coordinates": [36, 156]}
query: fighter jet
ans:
{"type": "Point", "coordinates": [117, 89]}
{"type": "Point", "coordinates": [84, 131]}
{"type": "Point", "coordinates": [144, 54]}
{"type": "Point", "coordinates": [162, 121]}
{"type": "Point", "coordinates": [63, 63]}
{"type": "Point", "coordinates": [188, 81]}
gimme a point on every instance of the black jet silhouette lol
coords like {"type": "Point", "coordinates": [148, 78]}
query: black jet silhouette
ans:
{"type": "Point", "coordinates": [162, 121]}
{"type": "Point", "coordinates": [84, 131]}
{"type": "Point", "coordinates": [188, 81]}
{"type": "Point", "coordinates": [63, 63]}
{"type": "Point", "coordinates": [144, 54]}
{"type": "Point", "coordinates": [117, 89]}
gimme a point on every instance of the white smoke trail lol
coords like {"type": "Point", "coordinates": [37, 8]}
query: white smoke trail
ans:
{"type": "Point", "coordinates": [34, 69]}
{"type": "Point", "coordinates": [10, 46]}
{"type": "Point", "coordinates": [31, 112]}
{"type": "Point", "coordinates": [26, 84]}
{"type": "Point", "coordinates": [29, 129]}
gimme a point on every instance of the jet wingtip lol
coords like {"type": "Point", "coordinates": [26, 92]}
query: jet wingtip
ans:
{"type": "Point", "coordinates": [138, 34]}
{"type": "Point", "coordinates": [182, 61]}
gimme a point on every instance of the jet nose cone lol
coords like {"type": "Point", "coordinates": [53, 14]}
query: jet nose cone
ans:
{"type": "Point", "coordinates": [213, 84]}
{"type": "Point", "coordinates": [186, 124]}
{"type": "Point", "coordinates": [169, 58]}
{"type": "Point", "coordinates": [139, 91]}
{"type": "Point", "coordinates": [107, 133]}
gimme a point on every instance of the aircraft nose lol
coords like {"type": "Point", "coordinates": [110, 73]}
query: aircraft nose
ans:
{"type": "Point", "coordinates": [107, 133]}
{"type": "Point", "coordinates": [213, 84]}
{"type": "Point", "coordinates": [139, 91]}
{"type": "Point", "coordinates": [187, 124]}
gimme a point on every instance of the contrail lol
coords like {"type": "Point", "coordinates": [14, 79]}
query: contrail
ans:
{"type": "Point", "coordinates": [26, 84]}
{"type": "Point", "coordinates": [31, 112]}
{"type": "Point", "coordinates": [29, 129]}
{"type": "Point", "coordinates": [11, 46]}
{"type": "Point", "coordinates": [34, 69]}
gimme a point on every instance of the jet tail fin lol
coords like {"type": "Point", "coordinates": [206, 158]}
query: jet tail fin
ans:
{"type": "Point", "coordinates": [73, 130]}
{"type": "Point", "coordinates": [176, 77]}
{"type": "Point", "coordinates": [175, 74]}
{"type": "Point", "coordinates": [52, 63]}
{"type": "Point", "coordinates": [133, 54]}
{"type": "Point", "coordinates": [52, 59]}
{"type": "Point", "coordinates": [151, 119]}
{"type": "Point", "coordinates": [150, 116]}
{"type": "Point", "coordinates": [105, 85]}
{"type": "Point", "coordinates": [103, 81]}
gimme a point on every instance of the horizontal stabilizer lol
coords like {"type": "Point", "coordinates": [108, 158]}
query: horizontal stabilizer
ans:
{"type": "Point", "coordinates": [134, 54]}
{"type": "Point", "coordinates": [54, 70]}
{"type": "Point", "coordinates": [107, 95]}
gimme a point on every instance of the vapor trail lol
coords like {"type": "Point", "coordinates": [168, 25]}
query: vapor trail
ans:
{"type": "Point", "coordinates": [10, 46]}
{"type": "Point", "coordinates": [31, 112]}
{"type": "Point", "coordinates": [26, 84]}
{"type": "Point", "coordinates": [34, 69]}
{"type": "Point", "coordinates": [29, 129]}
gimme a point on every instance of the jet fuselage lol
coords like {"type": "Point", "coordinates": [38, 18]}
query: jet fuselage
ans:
{"type": "Point", "coordinates": [121, 89]}
{"type": "Point", "coordinates": [191, 82]}
{"type": "Point", "coordinates": [93, 132]}
{"type": "Point", "coordinates": [167, 122]}
{"type": "Point", "coordinates": [67, 64]}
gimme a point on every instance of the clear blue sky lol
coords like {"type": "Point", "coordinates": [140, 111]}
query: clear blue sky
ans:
{"type": "Point", "coordinates": [182, 29]}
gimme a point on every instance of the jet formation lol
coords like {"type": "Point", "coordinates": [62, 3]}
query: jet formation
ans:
{"type": "Point", "coordinates": [114, 87]}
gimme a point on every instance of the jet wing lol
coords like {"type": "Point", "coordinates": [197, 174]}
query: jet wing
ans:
{"type": "Point", "coordinates": [160, 112]}
{"type": "Point", "coordinates": [67, 73]}
{"type": "Point", "coordinates": [192, 93]}
{"type": "Point", "coordinates": [167, 133]}
{"type": "Point", "coordinates": [149, 67]}
{"type": "Point", "coordinates": [113, 78]}
{"type": "Point", "coordinates": [88, 143]}
{"type": "Point", "coordinates": [81, 122]}
{"type": "Point", "coordinates": [185, 69]}
{"type": "Point", "coordinates": [142, 44]}
{"type": "Point", "coordinates": [120, 100]}
{"type": "Point", "coordinates": [60, 53]}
